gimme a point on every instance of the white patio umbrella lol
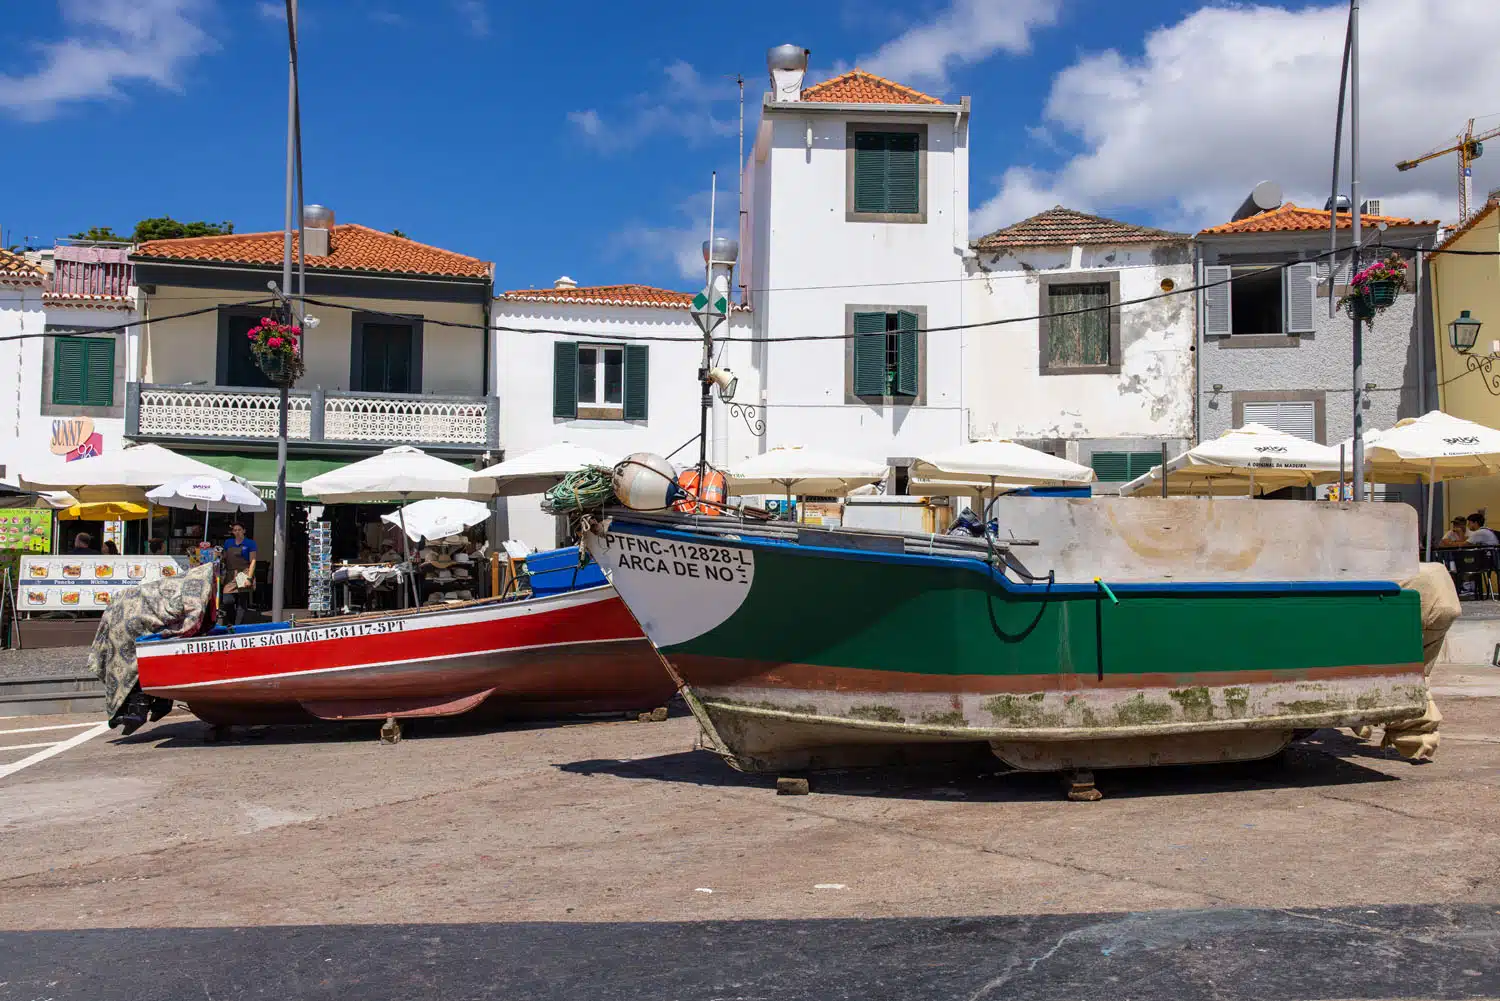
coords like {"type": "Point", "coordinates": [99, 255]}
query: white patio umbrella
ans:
{"type": "Point", "coordinates": [795, 469]}
{"type": "Point", "coordinates": [437, 517]}
{"type": "Point", "coordinates": [1254, 458]}
{"type": "Point", "coordinates": [990, 466]}
{"type": "Point", "coordinates": [1429, 449]}
{"type": "Point", "coordinates": [400, 474]}
{"type": "Point", "coordinates": [223, 494]}
{"type": "Point", "coordinates": [122, 476]}
{"type": "Point", "coordinates": [536, 471]}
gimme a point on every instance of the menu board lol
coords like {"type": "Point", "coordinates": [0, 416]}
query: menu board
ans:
{"type": "Point", "coordinates": [319, 566]}
{"type": "Point", "coordinates": [86, 583]}
{"type": "Point", "coordinates": [25, 528]}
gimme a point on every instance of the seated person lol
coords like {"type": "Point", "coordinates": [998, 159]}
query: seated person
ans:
{"type": "Point", "coordinates": [1458, 535]}
{"type": "Point", "coordinates": [1478, 534]}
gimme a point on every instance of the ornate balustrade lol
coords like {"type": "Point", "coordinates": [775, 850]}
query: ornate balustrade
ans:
{"type": "Point", "coordinates": [230, 413]}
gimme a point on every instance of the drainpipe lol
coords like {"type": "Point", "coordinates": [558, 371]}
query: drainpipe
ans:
{"type": "Point", "coordinates": [1197, 345]}
{"type": "Point", "coordinates": [488, 380]}
{"type": "Point", "coordinates": [963, 271]}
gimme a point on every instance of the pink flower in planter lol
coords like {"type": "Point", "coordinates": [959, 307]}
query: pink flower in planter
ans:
{"type": "Point", "coordinates": [251, 335]}
{"type": "Point", "coordinates": [295, 330]}
{"type": "Point", "coordinates": [274, 342]}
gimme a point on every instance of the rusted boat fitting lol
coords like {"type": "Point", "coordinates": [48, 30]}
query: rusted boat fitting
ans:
{"type": "Point", "coordinates": [390, 731]}
{"type": "Point", "coordinates": [1079, 786]}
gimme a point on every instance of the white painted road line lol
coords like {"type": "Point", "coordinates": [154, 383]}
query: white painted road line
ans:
{"type": "Point", "coordinates": [17, 747]}
{"type": "Point", "coordinates": [41, 756]}
{"type": "Point", "coordinates": [39, 729]}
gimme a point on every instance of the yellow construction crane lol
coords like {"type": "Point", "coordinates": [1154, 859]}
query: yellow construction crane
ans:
{"type": "Point", "coordinates": [1469, 148]}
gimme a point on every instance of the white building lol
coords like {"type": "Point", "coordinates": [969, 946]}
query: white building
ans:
{"type": "Point", "coordinates": [1106, 388]}
{"type": "Point", "coordinates": [63, 389]}
{"type": "Point", "coordinates": [856, 223]}
{"type": "Point", "coordinates": [595, 379]}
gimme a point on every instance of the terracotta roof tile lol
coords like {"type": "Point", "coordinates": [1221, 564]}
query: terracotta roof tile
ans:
{"type": "Point", "coordinates": [17, 270]}
{"type": "Point", "coordinates": [859, 87]}
{"type": "Point", "coordinates": [1059, 226]}
{"type": "Point", "coordinates": [353, 248]}
{"type": "Point", "coordinates": [88, 301]}
{"type": "Point", "coordinates": [1469, 223]}
{"type": "Point", "coordinates": [1292, 218]}
{"type": "Point", "coordinates": [605, 295]}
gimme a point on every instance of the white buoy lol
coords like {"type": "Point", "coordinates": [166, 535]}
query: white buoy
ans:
{"type": "Point", "coordinates": [644, 481]}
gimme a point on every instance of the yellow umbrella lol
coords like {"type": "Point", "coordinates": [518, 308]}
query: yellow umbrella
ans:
{"type": "Point", "coordinates": [108, 511]}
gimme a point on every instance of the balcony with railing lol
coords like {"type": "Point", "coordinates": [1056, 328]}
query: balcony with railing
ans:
{"type": "Point", "coordinates": [201, 414]}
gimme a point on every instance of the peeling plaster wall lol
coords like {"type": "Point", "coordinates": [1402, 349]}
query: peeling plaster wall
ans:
{"type": "Point", "coordinates": [1151, 397]}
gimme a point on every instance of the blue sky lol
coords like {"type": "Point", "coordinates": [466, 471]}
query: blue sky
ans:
{"type": "Point", "coordinates": [578, 138]}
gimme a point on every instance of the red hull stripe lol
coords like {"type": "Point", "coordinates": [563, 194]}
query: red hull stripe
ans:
{"type": "Point", "coordinates": [291, 652]}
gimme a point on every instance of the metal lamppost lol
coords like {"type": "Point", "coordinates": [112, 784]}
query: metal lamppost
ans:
{"type": "Point", "coordinates": [278, 538]}
{"type": "Point", "coordinates": [710, 309]}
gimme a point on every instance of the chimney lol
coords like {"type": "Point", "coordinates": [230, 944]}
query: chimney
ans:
{"type": "Point", "coordinates": [317, 225]}
{"type": "Point", "coordinates": [788, 66]}
{"type": "Point", "coordinates": [1342, 202]}
{"type": "Point", "coordinates": [565, 282]}
{"type": "Point", "coordinates": [1370, 206]}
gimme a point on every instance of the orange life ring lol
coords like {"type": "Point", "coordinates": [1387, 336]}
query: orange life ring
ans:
{"type": "Point", "coordinates": [710, 500]}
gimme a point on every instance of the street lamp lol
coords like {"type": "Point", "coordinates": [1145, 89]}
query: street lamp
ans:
{"type": "Point", "coordinates": [1463, 332]}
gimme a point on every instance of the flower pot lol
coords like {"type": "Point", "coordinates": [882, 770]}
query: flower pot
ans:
{"type": "Point", "coordinates": [1361, 307]}
{"type": "Point", "coordinates": [1380, 292]}
{"type": "Point", "coordinates": [281, 367]}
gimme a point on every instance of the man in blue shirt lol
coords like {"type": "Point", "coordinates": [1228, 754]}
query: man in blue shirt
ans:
{"type": "Point", "coordinates": [238, 555]}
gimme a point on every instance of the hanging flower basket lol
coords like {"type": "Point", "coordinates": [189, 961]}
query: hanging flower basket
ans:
{"type": "Point", "coordinates": [1374, 289]}
{"type": "Point", "coordinates": [274, 346]}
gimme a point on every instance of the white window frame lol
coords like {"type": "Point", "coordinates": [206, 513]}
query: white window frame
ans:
{"type": "Point", "coordinates": [596, 403]}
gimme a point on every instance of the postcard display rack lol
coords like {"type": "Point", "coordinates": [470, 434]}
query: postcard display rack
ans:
{"type": "Point", "coordinates": [320, 567]}
{"type": "Point", "coordinates": [86, 583]}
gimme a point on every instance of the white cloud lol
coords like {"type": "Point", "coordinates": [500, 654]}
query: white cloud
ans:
{"type": "Point", "coordinates": [679, 247]}
{"type": "Point", "coordinates": [969, 31]}
{"type": "Point", "coordinates": [476, 13]}
{"type": "Point", "coordinates": [1230, 96]}
{"type": "Point", "coordinates": [684, 105]}
{"type": "Point", "coordinates": [271, 10]}
{"type": "Point", "coordinates": [112, 42]}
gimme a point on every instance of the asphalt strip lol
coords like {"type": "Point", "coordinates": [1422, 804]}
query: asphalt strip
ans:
{"type": "Point", "coordinates": [55, 749]}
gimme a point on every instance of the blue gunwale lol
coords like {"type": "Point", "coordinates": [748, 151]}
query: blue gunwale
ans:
{"type": "Point", "coordinates": [1019, 589]}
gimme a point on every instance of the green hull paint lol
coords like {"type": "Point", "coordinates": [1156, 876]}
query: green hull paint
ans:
{"type": "Point", "coordinates": [922, 619]}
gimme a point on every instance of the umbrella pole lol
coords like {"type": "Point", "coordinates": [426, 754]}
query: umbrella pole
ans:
{"type": "Point", "coordinates": [150, 526]}
{"type": "Point", "coordinates": [405, 552]}
{"type": "Point", "coordinates": [1252, 482]}
{"type": "Point", "coordinates": [1431, 484]}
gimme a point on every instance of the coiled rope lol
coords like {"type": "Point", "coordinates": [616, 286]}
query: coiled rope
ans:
{"type": "Point", "coordinates": [587, 489]}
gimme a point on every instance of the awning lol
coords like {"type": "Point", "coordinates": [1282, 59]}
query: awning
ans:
{"type": "Point", "coordinates": [260, 471]}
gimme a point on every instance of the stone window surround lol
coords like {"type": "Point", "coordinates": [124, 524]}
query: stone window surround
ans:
{"type": "Point", "coordinates": [920, 400]}
{"type": "Point", "coordinates": [50, 409]}
{"type": "Point", "coordinates": [922, 160]}
{"type": "Point", "coordinates": [1044, 284]}
{"type": "Point", "coordinates": [1317, 397]}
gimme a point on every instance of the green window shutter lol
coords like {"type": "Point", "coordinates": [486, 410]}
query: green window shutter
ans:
{"type": "Point", "coordinates": [903, 164]}
{"type": "Point", "coordinates": [1079, 338]}
{"type": "Point", "coordinates": [69, 365]}
{"type": "Point", "coordinates": [869, 354]}
{"type": "Point", "coordinates": [1111, 467]}
{"type": "Point", "coordinates": [1119, 467]}
{"type": "Point", "coordinates": [907, 381]}
{"type": "Point", "coordinates": [869, 172]}
{"type": "Point", "coordinates": [99, 373]}
{"type": "Point", "coordinates": [637, 381]}
{"type": "Point", "coordinates": [565, 379]}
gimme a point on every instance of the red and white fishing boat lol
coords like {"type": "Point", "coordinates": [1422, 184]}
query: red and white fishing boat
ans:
{"type": "Point", "coordinates": [576, 651]}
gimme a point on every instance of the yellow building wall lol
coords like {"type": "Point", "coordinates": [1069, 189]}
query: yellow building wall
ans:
{"type": "Point", "coordinates": [1469, 385]}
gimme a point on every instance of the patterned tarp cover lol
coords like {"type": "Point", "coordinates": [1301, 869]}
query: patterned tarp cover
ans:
{"type": "Point", "coordinates": [171, 606]}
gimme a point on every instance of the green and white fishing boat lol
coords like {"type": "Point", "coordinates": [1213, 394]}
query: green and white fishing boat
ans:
{"type": "Point", "coordinates": [1111, 632]}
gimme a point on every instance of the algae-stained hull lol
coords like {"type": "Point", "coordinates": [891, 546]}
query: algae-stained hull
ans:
{"type": "Point", "coordinates": [803, 655]}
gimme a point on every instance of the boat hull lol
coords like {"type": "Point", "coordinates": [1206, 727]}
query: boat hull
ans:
{"type": "Point", "coordinates": [575, 652]}
{"type": "Point", "coordinates": [803, 656]}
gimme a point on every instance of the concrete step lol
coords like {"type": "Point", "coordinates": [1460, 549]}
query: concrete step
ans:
{"type": "Point", "coordinates": [68, 693]}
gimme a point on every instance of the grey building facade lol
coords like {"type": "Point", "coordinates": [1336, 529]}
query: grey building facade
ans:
{"type": "Point", "coordinates": [1268, 350]}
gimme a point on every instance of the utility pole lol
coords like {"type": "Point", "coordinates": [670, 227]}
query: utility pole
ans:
{"type": "Point", "coordinates": [708, 339]}
{"type": "Point", "coordinates": [278, 537]}
{"type": "Point", "coordinates": [1359, 325]}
